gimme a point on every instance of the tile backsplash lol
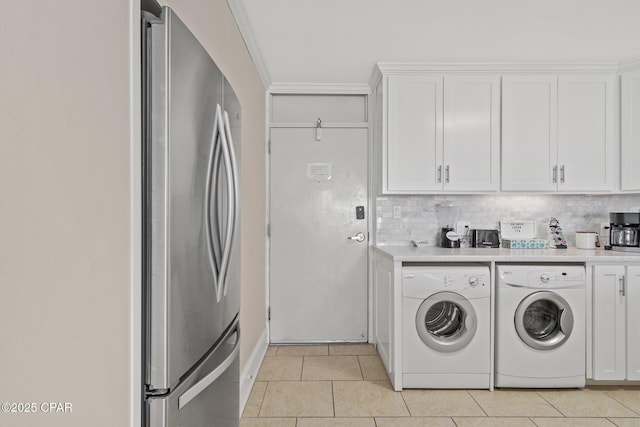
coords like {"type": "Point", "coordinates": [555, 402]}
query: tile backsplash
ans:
{"type": "Point", "coordinates": [421, 217]}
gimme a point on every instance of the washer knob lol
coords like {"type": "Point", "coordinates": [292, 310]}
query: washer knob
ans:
{"type": "Point", "coordinates": [473, 281]}
{"type": "Point", "coordinates": [544, 278]}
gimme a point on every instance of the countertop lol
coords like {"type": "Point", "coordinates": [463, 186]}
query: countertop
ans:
{"type": "Point", "coordinates": [432, 254]}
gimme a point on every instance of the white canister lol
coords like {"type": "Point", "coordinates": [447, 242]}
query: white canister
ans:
{"type": "Point", "coordinates": [587, 240]}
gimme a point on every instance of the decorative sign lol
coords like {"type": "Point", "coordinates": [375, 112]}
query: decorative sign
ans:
{"type": "Point", "coordinates": [319, 171]}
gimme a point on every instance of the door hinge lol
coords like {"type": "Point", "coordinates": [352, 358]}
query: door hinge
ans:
{"type": "Point", "coordinates": [268, 230]}
{"type": "Point", "coordinates": [269, 147]}
{"type": "Point", "coordinates": [269, 313]}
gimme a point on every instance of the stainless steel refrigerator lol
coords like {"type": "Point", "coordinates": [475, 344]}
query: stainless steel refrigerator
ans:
{"type": "Point", "coordinates": [191, 231]}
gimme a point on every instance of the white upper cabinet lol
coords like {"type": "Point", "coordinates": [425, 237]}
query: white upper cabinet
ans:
{"type": "Point", "coordinates": [630, 123]}
{"type": "Point", "coordinates": [471, 156]}
{"type": "Point", "coordinates": [558, 133]}
{"type": "Point", "coordinates": [484, 128]}
{"type": "Point", "coordinates": [440, 133]}
{"type": "Point", "coordinates": [529, 136]}
{"type": "Point", "coordinates": [586, 134]}
{"type": "Point", "coordinates": [414, 134]}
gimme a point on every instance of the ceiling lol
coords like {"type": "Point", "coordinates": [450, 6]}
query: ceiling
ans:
{"type": "Point", "coordinates": [339, 41]}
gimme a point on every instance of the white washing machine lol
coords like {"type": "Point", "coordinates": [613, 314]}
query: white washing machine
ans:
{"type": "Point", "coordinates": [446, 326]}
{"type": "Point", "coordinates": [540, 326]}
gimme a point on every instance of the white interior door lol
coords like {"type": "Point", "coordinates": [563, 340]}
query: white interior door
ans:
{"type": "Point", "coordinates": [318, 277]}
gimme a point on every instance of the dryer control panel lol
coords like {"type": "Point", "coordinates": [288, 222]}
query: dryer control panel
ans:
{"type": "Point", "coordinates": [420, 280]}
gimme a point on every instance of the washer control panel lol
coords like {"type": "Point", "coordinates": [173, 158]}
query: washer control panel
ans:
{"type": "Point", "coordinates": [542, 277]}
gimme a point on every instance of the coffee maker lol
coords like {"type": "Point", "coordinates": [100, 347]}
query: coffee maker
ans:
{"type": "Point", "coordinates": [449, 238]}
{"type": "Point", "coordinates": [624, 234]}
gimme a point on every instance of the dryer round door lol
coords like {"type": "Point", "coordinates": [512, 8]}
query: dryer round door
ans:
{"type": "Point", "coordinates": [446, 322]}
{"type": "Point", "coordinates": [544, 320]}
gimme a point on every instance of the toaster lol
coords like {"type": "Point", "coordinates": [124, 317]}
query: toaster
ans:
{"type": "Point", "coordinates": [485, 239]}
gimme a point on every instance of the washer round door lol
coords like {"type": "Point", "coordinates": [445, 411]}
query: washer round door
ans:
{"type": "Point", "coordinates": [446, 322]}
{"type": "Point", "coordinates": [544, 320]}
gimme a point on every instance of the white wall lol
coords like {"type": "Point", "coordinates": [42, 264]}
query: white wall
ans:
{"type": "Point", "coordinates": [64, 210]}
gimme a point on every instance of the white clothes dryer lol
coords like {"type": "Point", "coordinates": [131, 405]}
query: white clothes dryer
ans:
{"type": "Point", "coordinates": [540, 326]}
{"type": "Point", "coordinates": [446, 326]}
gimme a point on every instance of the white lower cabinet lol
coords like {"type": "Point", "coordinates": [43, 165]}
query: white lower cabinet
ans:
{"type": "Point", "coordinates": [616, 322]}
{"type": "Point", "coordinates": [383, 296]}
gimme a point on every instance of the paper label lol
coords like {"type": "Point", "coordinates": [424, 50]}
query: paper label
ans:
{"type": "Point", "coordinates": [319, 171]}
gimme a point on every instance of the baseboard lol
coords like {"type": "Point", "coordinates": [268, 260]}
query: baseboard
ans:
{"type": "Point", "coordinates": [250, 371]}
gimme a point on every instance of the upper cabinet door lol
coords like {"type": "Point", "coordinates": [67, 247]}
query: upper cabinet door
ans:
{"type": "Point", "coordinates": [586, 133]}
{"type": "Point", "coordinates": [471, 133]}
{"type": "Point", "coordinates": [414, 134]}
{"type": "Point", "coordinates": [630, 123]}
{"type": "Point", "coordinates": [529, 133]}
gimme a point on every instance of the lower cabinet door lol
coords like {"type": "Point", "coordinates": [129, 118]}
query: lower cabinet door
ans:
{"type": "Point", "coordinates": [609, 317]}
{"type": "Point", "coordinates": [632, 290]}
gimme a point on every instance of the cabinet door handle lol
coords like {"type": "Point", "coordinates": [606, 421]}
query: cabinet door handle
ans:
{"type": "Point", "coordinates": [555, 174]}
{"type": "Point", "coordinates": [622, 290]}
{"type": "Point", "coordinates": [446, 174]}
{"type": "Point", "coordinates": [439, 174]}
{"type": "Point", "coordinates": [562, 174]}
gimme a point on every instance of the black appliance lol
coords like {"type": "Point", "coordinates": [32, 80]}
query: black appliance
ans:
{"type": "Point", "coordinates": [624, 233]}
{"type": "Point", "coordinates": [485, 239]}
{"type": "Point", "coordinates": [449, 238]}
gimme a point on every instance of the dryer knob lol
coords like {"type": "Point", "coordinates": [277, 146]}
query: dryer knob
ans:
{"type": "Point", "coordinates": [544, 277]}
{"type": "Point", "coordinates": [473, 281]}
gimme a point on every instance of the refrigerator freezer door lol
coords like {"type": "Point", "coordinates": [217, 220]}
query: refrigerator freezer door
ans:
{"type": "Point", "coordinates": [208, 396]}
{"type": "Point", "coordinates": [184, 317]}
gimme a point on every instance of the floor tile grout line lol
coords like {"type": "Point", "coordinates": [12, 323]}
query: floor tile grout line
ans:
{"type": "Point", "coordinates": [476, 402]}
{"type": "Point", "coordinates": [404, 401]}
{"type": "Point", "coordinates": [360, 366]}
{"type": "Point", "coordinates": [262, 401]}
{"type": "Point", "coordinates": [621, 403]}
{"type": "Point", "coordinates": [333, 399]}
{"type": "Point", "coordinates": [551, 404]}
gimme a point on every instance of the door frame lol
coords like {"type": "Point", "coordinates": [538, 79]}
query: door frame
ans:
{"type": "Point", "coordinates": [320, 89]}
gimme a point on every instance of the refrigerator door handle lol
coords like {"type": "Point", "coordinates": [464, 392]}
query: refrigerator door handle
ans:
{"type": "Point", "coordinates": [234, 192]}
{"type": "Point", "coordinates": [231, 208]}
{"type": "Point", "coordinates": [211, 173]}
{"type": "Point", "coordinates": [216, 244]}
{"type": "Point", "coordinates": [205, 382]}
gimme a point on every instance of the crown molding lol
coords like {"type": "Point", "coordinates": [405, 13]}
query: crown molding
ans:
{"type": "Point", "coordinates": [375, 77]}
{"type": "Point", "coordinates": [629, 64]}
{"type": "Point", "coordinates": [240, 15]}
{"type": "Point", "coordinates": [497, 67]}
{"type": "Point", "coordinates": [320, 88]}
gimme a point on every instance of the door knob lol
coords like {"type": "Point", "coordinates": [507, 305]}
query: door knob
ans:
{"type": "Point", "coordinates": [358, 237]}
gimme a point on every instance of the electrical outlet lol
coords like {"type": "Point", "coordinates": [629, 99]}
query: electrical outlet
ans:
{"type": "Point", "coordinates": [397, 212]}
{"type": "Point", "coordinates": [462, 228]}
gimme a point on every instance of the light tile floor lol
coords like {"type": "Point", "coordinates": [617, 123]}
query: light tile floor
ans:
{"type": "Point", "coordinates": [345, 385]}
